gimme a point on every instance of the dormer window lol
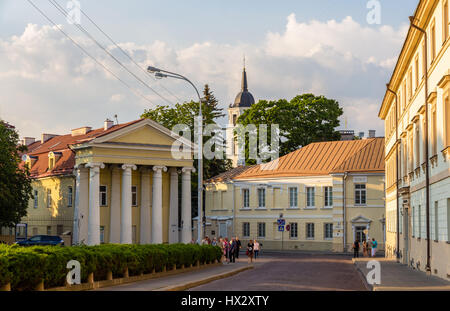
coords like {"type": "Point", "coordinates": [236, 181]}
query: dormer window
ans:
{"type": "Point", "coordinates": [53, 157]}
{"type": "Point", "coordinates": [29, 160]}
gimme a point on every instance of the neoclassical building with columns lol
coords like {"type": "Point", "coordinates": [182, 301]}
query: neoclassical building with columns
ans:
{"type": "Point", "coordinates": [121, 183]}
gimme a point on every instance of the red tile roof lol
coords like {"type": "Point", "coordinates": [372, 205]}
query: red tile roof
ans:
{"type": "Point", "coordinates": [324, 158]}
{"type": "Point", "coordinates": [228, 175]}
{"type": "Point", "coordinates": [61, 144]}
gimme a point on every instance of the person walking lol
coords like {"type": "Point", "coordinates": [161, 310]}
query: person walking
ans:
{"type": "Point", "coordinates": [233, 247]}
{"type": "Point", "coordinates": [356, 249]}
{"type": "Point", "coordinates": [365, 253]}
{"type": "Point", "coordinates": [239, 246]}
{"type": "Point", "coordinates": [369, 248]}
{"type": "Point", "coordinates": [214, 242]}
{"type": "Point", "coordinates": [374, 247]}
{"type": "Point", "coordinates": [250, 249]}
{"type": "Point", "coordinates": [256, 248]}
{"type": "Point", "coordinates": [226, 250]}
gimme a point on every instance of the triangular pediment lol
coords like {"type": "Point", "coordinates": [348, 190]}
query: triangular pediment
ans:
{"type": "Point", "coordinates": [361, 219]}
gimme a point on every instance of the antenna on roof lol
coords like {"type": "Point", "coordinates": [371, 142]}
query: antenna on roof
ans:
{"type": "Point", "coordinates": [117, 121]}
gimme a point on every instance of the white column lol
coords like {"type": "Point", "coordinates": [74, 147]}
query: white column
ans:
{"type": "Point", "coordinates": [173, 210]}
{"type": "Point", "coordinates": [157, 225]}
{"type": "Point", "coordinates": [125, 212]}
{"type": "Point", "coordinates": [94, 206]}
{"type": "Point", "coordinates": [114, 228]}
{"type": "Point", "coordinates": [145, 226]}
{"type": "Point", "coordinates": [186, 210]}
{"type": "Point", "coordinates": [81, 208]}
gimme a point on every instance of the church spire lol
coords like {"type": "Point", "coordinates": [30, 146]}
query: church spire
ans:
{"type": "Point", "coordinates": [244, 86]}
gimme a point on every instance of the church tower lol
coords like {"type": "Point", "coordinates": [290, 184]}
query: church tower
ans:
{"type": "Point", "coordinates": [243, 101]}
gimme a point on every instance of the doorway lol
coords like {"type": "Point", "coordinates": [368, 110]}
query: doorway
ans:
{"type": "Point", "coordinates": [223, 230]}
{"type": "Point", "coordinates": [360, 234]}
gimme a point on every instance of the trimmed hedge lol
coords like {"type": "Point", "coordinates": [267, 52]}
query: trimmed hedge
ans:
{"type": "Point", "coordinates": [26, 267]}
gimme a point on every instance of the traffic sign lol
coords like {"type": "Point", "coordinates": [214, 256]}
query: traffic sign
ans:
{"type": "Point", "coordinates": [288, 227]}
{"type": "Point", "coordinates": [281, 228]}
{"type": "Point", "coordinates": [281, 222]}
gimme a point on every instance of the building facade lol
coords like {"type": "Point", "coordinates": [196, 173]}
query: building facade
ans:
{"type": "Point", "coordinates": [329, 194]}
{"type": "Point", "coordinates": [117, 184]}
{"type": "Point", "coordinates": [416, 111]}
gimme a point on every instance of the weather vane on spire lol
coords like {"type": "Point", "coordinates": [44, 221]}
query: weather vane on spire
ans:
{"type": "Point", "coordinates": [244, 60]}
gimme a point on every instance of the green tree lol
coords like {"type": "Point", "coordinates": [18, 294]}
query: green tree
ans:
{"type": "Point", "coordinates": [302, 120]}
{"type": "Point", "coordinates": [15, 182]}
{"type": "Point", "coordinates": [186, 113]}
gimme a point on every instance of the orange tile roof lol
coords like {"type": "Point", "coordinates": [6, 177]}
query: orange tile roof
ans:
{"type": "Point", "coordinates": [323, 158]}
{"type": "Point", "coordinates": [228, 175]}
{"type": "Point", "coordinates": [61, 144]}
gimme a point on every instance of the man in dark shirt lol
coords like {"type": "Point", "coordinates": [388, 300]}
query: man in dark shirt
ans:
{"type": "Point", "coordinates": [239, 245]}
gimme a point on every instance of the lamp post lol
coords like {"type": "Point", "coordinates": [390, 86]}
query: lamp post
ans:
{"type": "Point", "coordinates": [159, 74]}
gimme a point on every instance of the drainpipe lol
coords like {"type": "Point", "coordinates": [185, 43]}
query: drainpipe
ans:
{"type": "Point", "coordinates": [397, 249]}
{"type": "Point", "coordinates": [427, 167]}
{"type": "Point", "coordinates": [344, 223]}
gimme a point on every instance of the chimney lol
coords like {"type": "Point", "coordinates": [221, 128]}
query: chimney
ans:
{"type": "Point", "coordinates": [45, 137]}
{"type": "Point", "coordinates": [28, 140]}
{"type": "Point", "coordinates": [361, 135]}
{"type": "Point", "coordinates": [81, 131]}
{"type": "Point", "coordinates": [107, 124]}
{"type": "Point", "coordinates": [371, 133]}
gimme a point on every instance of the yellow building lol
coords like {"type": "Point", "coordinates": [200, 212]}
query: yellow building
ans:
{"type": "Point", "coordinates": [329, 193]}
{"type": "Point", "coordinates": [116, 184]}
{"type": "Point", "coordinates": [416, 111]}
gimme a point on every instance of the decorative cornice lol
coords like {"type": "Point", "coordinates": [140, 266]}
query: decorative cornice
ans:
{"type": "Point", "coordinates": [432, 97]}
{"type": "Point", "coordinates": [421, 109]}
{"type": "Point", "coordinates": [409, 127]}
{"type": "Point", "coordinates": [444, 81]}
{"type": "Point", "coordinates": [415, 118]}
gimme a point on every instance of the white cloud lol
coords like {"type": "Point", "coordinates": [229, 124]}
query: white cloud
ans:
{"type": "Point", "coordinates": [48, 85]}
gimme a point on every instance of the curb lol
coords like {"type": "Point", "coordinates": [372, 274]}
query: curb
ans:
{"type": "Point", "coordinates": [188, 285]}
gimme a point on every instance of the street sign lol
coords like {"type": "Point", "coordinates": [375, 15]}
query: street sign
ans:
{"type": "Point", "coordinates": [288, 227]}
{"type": "Point", "coordinates": [281, 222]}
{"type": "Point", "coordinates": [281, 228]}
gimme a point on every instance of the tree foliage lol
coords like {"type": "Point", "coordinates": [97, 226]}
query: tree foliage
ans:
{"type": "Point", "coordinates": [302, 120]}
{"type": "Point", "coordinates": [15, 182]}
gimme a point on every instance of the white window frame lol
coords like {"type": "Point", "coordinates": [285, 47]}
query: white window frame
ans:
{"type": "Point", "coordinates": [69, 196]}
{"type": "Point", "coordinates": [36, 199]}
{"type": "Point", "coordinates": [134, 196]}
{"type": "Point", "coordinates": [263, 198]}
{"type": "Point", "coordinates": [293, 233]}
{"type": "Point", "coordinates": [293, 203]}
{"type": "Point", "coordinates": [261, 225]}
{"type": "Point", "coordinates": [245, 198]}
{"type": "Point", "coordinates": [49, 198]}
{"type": "Point", "coordinates": [310, 199]}
{"type": "Point", "coordinates": [308, 231]}
{"type": "Point", "coordinates": [328, 228]}
{"type": "Point", "coordinates": [246, 229]}
{"type": "Point", "coordinates": [106, 195]}
{"type": "Point", "coordinates": [328, 196]}
{"type": "Point", "coordinates": [358, 194]}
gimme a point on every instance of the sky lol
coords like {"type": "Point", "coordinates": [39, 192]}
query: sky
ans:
{"type": "Point", "coordinates": [291, 47]}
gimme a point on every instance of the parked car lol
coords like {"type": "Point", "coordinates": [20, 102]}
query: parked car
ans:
{"type": "Point", "coordinates": [42, 240]}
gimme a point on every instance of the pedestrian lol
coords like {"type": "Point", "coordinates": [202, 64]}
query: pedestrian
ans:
{"type": "Point", "coordinates": [214, 242]}
{"type": "Point", "coordinates": [239, 246]}
{"type": "Point", "coordinates": [356, 249]}
{"type": "Point", "coordinates": [256, 248]}
{"type": "Point", "coordinates": [226, 250]}
{"type": "Point", "coordinates": [233, 247]}
{"type": "Point", "coordinates": [374, 247]}
{"type": "Point", "coordinates": [369, 248]}
{"type": "Point", "coordinates": [250, 249]}
{"type": "Point", "coordinates": [365, 253]}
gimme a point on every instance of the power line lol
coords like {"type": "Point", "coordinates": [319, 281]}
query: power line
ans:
{"type": "Point", "coordinates": [88, 54]}
{"type": "Point", "coordinates": [127, 55]}
{"type": "Point", "coordinates": [81, 28]}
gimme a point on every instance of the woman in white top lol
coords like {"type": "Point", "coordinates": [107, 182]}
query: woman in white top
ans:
{"type": "Point", "coordinates": [256, 248]}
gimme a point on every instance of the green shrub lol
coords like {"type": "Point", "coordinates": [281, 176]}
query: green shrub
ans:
{"type": "Point", "coordinates": [25, 267]}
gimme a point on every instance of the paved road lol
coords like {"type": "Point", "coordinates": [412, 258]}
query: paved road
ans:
{"type": "Point", "coordinates": [293, 272]}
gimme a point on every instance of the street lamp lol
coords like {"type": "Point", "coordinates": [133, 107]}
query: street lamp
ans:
{"type": "Point", "coordinates": [159, 74]}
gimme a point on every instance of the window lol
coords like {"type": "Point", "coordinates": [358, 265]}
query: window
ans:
{"type": "Point", "coordinates": [261, 230]}
{"type": "Point", "coordinates": [261, 197]}
{"type": "Point", "coordinates": [414, 226]}
{"type": "Point", "coordinates": [102, 234]}
{"type": "Point", "coordinates": [310, 231]}
{"type": "Point", "coordinates": [328, 196]}
{"type": "Point", "coordinates": [234, 119]}
{"type": "Point", "coordinates": [246, 198]}
{"type": "Point", "coordinates": [404, 95]}
{"type": "Point", "coordinates": [433, 131]}
{"type": "Point", "coordinates": [410, 151]}
{"type": "Point", "coordinates": [103, 197]}
{"type": "Point", "coordinates": [310, 196]}
{"type": "Point", "coordinates": [424, 64]}
{"type": "Point", "coordinates": [328, 231]}
{"type": "Point", "coordinates": [417, 144]}
{"type": "Point", "coordinates": [419, 226]}
{"type": "Point", "coordinates": [360, 194]}
{"type": "Point", "coordinates": [436, 220]}
{"type": "Point", "coordinates": [69, 196]}
{"type": "Point", "coordinates": [49, 230]}
{"type": "Point", "coordinates": [445, 21]}
{"type": "Point", "coordinates": [246, 229]}
{"type": "Point", "coordinates": [293, 234]}
{"type": "Point", "coordinates": [49, 198]}
{"type": "Point", "coordinates": [133, 195]}
{"type": "Point", "coordinates": [293, 197]}
{"type": "Point", "coordinates": [433, 41]}
{"type": "Point", "coordinates": [36, 198]}
{"type": "Point", "coordinates": [35, 231]}
{"type": "Point", "coordinates": [409, 85]}
{"type": "Point", "coordinates": [59, 229]}
{"type": "Point", "coordinates": [447, 120]}
{"type": "Point", "coordinates": [416, 72]}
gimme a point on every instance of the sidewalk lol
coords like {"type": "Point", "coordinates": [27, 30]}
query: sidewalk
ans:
{"type": "Point", "coordinates": [185, 280]}
{"type": "Point", "coordinates": [399, 277]}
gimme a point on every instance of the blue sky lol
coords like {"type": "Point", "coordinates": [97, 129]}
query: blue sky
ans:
{"type": "Point", "coordinates": [291, 47]}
